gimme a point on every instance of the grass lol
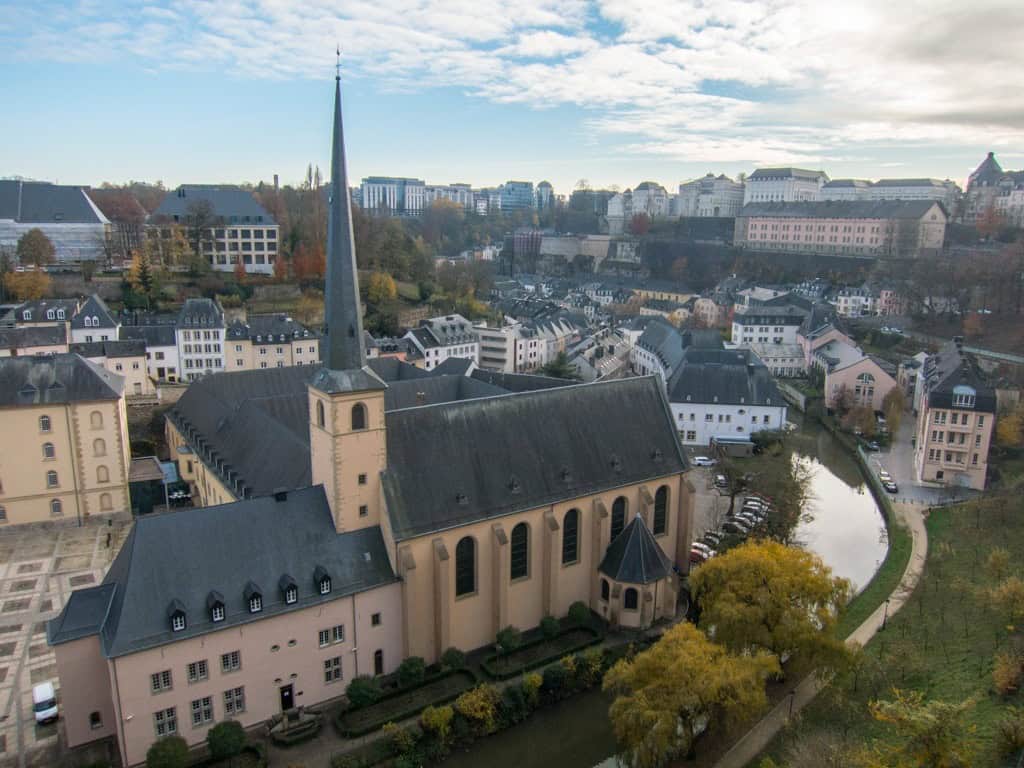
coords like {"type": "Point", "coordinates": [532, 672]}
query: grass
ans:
{"type": "Point", "coordinates": [882, 584]}
{"type": "Point", "coordinates": [406, 703]}
{"type": "Point", "coordinates": [538, 652]}
{"type": "Point", "coordinates": [942, 643]}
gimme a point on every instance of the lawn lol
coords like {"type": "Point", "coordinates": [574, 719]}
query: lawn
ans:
{"type": "Point", "coordinates": [405, 704]}
{"type": "Point", "coordinates": [882, 583]}
{"type": "Point", "coordinates": [942, 643]}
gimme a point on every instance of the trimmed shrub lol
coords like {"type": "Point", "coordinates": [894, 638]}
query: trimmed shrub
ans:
{"type": "Point", "coordinates": [167, 752]}
{"type": "Point", "coordinates": [508, 639]}
{"type": "Point", "coordinates": [363, 691]}
{"type": "Point", "coordinates": [550, 627]}
{"type": "Point", "coordinates": [579, 613]}
{"type": "Point", "coordinates": [531, 688]}
{"type": "Point", "coordinates": [411, 671]}
{"type": "Point", "coordinates": [555, 682]}
{"type": "Point", "coordinates": [403, 740]}
{"type": "Point", "coordinates": [437, 721]}
{"type": "Point", "coordinates": [513, 707]}
{"type": "Point", "coordinates": [225, 739]}
{"type": "Point", "coordinates": [588, 666]}
{"type": "Point", "coordinates": [480, 707]}
{"type": "Point", "coordinates": [453, 658]}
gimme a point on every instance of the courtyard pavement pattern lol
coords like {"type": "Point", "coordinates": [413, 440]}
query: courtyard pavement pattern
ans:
{"type": "Point", "coordinates": [40, 565]}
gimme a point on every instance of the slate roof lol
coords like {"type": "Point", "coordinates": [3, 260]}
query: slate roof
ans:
{"type": "Point", "coordinates": [232, 205]}
{"type": "Point", "coordinates": [784, 173]}
{"type": "Point", "coordinates": [62, 378]}
{"type": "Point", "coordinates": [662, 339]}
{"type": "Point", "coordinates": [94, 306]}
{"type": "Point", "coordinates": [269, 329]}
{"type": "Point", "coordinates": [847, 184]}
{"type": "Point", "coordinates": [988, 173]}
{"type": "Point", "coordinates": [635, 557]}
{"type": "Point", "coordinates": [37, 310]}
{"type": "Point", "coordinates": [475, 460]}
{"type": "Point", "coordinates": [725, 377]}
{"type": "Point", "coordinates": [200, 313]}
{"type": "Point", "coordinates": [151, 335]}
{"type": "Point", "coordinates": [180, 557]}
{"type": "Point", "coordinates": [38, 202]}
{"type": "Point", "coordinates": [767, 315]}
{"type": "Point", "coordinates": [910, 183]}
{"type": "Point", "coordinates": [519, 382]}
{"type": "Point", "coordinates": [33, 336]}
{"type": "Point", "coordinates": [951, 367]}
{"type": "Point", "coordinates": [841, 209]}
{"type": "Point", "coordinates": [133, 348]}
{"type": "Point", "coordinates": [444, 388]}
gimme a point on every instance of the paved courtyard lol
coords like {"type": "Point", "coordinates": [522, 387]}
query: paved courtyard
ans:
{"type": "Point", "coordinates": [39, 568]}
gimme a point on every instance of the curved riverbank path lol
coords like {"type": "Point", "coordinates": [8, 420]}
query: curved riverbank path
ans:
{"type": "Point", "coordinates": [760, 736]}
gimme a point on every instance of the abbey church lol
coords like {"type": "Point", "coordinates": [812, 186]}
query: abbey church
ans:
{"type": "Point", "coordinates": [358, 513]}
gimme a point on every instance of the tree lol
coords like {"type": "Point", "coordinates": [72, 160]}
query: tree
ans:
{"type": "Point", "coordinates": [767, 596]}
{"type": "Point", "coordinates": [989, 221]}
{"type": "Point", "coordinates": [280, 269]}
{"type": "Point", "coordinates": [933, 733]}
{"type": "Point", "coordinates": [559, 368]}
{"type": "Point", "coordinates": [1008, 598]}
{"type": "Point", "coordinates": [973, 325]}
{"type": "Point", "coordinates": [380, 288]}
{"type": "Point", "coordinates": [1010, 428]}
{"type": "Point", "coordinates": [843, 400]}
{"type": "Point", "coordinates": [27, 286]}
{"type": "Point", "coordinates": [411, 671]}
{"type": "Point", "coordinates": [226, 740]}
{"type": "Point", "coordinates": [893, 405]}
{"type": "Point", "coordinates": [167, 752]}
{"type": "Point", "coordinates": [640, 224]}
{"type": "Point", "coordinates": [35, 248]}
{"type": "Point", "coordinates": [684, 683]}
{"type": "Point", "coordinates": [310, 307]}
{"type": "Point", "coordinates": [240, 274]}
{"type": "Point", "coordinates": [142, 277]}
{"type": "Point", "coordinates": [199, 220]}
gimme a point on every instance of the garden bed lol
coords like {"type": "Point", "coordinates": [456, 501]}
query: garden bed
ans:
{"type": "Point", "coordinates": [405, 703]}
{"type": "Point", "coordinates": [539, 652]}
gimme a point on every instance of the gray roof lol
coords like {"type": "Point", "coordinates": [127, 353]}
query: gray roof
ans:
{"type": "Point", "coordinates": [663, 339]}
{"type": "Point", "coordinates": [442, 388]}
{"type": "Point", "coordinates": [38, 202]}
{"type": "Point", "coordinates": [761, 315]}
{"type": "Point", "coordinates": [847, 183]}
{"type": "Point", "coordinates": [784, 173]}
{"type": "Point", "coordinates": [132, 348]}
{"type": "Point", "coordinates": [37, 310]}
{"type": "Point", "coordinates": [269, 329]}
{"type": "Point", "coordinates": [231, 205]}
{"type": "Point", "coordinates": [94, 306]}
{"type": "Point", "coordinates": [201, 313]}
{"type": "Point", "coordinates": [988, 173]}
{"type": "Point", "coordinates": [33, 336]}
{"type": "Point", "coordinates": [635, 557]}
{"type": "Point", "coordinates": [180, 558]}
{"type": "Point", "coordinates": [910, 183]}
{"type": "Point", "coordinates": [723, 376]}
{"type": "Point", "coordinates": [951, 367]}
{"type": "Point", "coordinates": [842, 209]}
{"type": "Point", "coordinates": [62, 378]}
{"type": "Point", "coordinates": [520, 382]}
{"type": "Point", "coordinates": [152, 335]}
{"type": "Point", "coordinates": [474, 460]}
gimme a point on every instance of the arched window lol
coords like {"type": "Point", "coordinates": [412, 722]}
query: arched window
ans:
{"type": "Point", "coordinates": [358, 416]}
{"type": "Point", "coordinates": [630, 599]}
{"type": "Point", "coordinates": [571, 537]}
{"type": "Point", "coordinates": [465, 566]}
{"type": "Point", "coordinates": [102, 474]}
{"type": "Point", "coordinates": [321, 418]}
{"type": "Point", "coordinates": [519, 560]}
{"type": "Point", "coordinates": [96, 420]}
{"type": "Point", "coordinates": [605, 590]}
{"type": "Point", "coordinates": [106, 504]}
{"type": "Point", "coordinates": [51, 479]}
{"type": "Point", "coordinates": [49, 451]}
{"type": "Point", "coordinates": [661, 510]}
{"type": "Point", "coordinates": [99, 447]}
{"type": "Point", "coordinates": [44, 423]}
{"type": "Point", "coordinates": [56, 508]}
{"type": "Point", "coordinates": [618, 516]}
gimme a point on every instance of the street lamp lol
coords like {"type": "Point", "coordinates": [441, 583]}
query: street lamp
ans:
{"type": "Point", "coordinates": [885, 616]}
{"type": "Point", "coordinates": [792, 696]}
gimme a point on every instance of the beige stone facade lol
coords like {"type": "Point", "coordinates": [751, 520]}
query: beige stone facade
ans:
{"type": "Point", "coordinates": [247, 355]}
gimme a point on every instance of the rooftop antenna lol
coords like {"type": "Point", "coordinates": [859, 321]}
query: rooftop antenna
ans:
{"type": "Point", "coordinates": [337, 66]}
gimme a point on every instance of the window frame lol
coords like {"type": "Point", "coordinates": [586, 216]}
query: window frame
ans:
{"type": "Point", "coordinates": [571, 541]}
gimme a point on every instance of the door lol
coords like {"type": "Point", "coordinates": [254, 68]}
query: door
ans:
{"type": "Point", "coordinates": [287, 699]}
{"type": "Point", "coordinates": [378, 662]}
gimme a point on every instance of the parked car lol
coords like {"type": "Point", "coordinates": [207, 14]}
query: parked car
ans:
{"type": "Point", "coordinates": [702, 548]}
{"type": "Point", "coordinates": [735, 527]}
{"type": "Point", "coordinates": [746, 518]}
{"type": "Point", "coordinates": [698, 556]}
{"type": "Point", "coordinates": [703, 461]}
{"type": "Point", "coordinates": [44, 703]}
{"type": "Point", "coordinates": [872, 446]}
{"type": "Point", "coordinates": [883, 475]}
{"type": "Point", "coordinates": [754, 501]}
{"type": "Point", "coordinates": [754, 512]}
{"type": "Point", "coordinates": [712, 539]}
{"type": "Point", "coordinates": [721, 481]}
{"type": "Point", "coordinates": [890, 486]}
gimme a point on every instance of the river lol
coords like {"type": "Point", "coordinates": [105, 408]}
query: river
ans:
{"type": "Point", "coordinates": [844, 527]}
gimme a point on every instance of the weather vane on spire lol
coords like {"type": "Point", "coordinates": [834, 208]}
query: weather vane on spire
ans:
{"type": "Point", "coordinates": [337, 66]}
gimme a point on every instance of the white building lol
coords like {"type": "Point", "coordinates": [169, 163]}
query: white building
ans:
{"type": "Point", "coordinates": [946, 192]}
{"type": "Point", "coordinates": [66, 215]}
{"type": "Point", "coordinates": [162, 361]}
{"type": "Point", "coordinates": [766, 325]}
{"type": "Point", "coordinates": [709, 196]}
{"type": "Point", "coordinates": [785, 185]}
{"type": "Point", "coordinates": [783, 360]}
{"type": "Point", "coordinates": [393, 194]}
{"type": "Point", "coordinates": [94, 322]}
{"type": "Point", "coordinates": [200, 335]}
{"type": "Point", "coordinates": [439, 338]}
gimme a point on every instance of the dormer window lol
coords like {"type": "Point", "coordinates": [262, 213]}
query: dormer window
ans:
{"type": "Point", "coordinates": [176, 613]}
{"type": "Point", "coordinates": [322, 579]}
{"type": "Point", "coordinates": [178, 622]}
{"type": "Point", "coordinates": [325, 586]}
{"type": "Point", "coordinates": [215, 604]}
{"type": "Point", "coordinates": [60, 314]}
{"type": "Point", "coordinates": [289, 589]}
{"type": "Point", "coordinates": [217, 613]}
{"type": "Point", "coordinates": [254, 597]}
{"type": "Point", "coordinates": [291, 595]}
{"type": "Point", "coordinates": [50, 314]}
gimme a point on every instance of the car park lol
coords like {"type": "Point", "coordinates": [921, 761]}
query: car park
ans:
{"type": "Point", "coordinates": [746, 518]}
{"type": "Point", "coordinates": [703, 461]}
{"type": "Point", "coordinates": [712, 539]}
{"type": "Point", "coordinates": [890, 486]}
{"type": "Point", "coordinates": [735, 527]}
{"type": "Point", "coordinates": [721, 481]}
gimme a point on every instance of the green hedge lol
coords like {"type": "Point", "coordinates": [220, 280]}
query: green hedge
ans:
{"type": "Point", "coordinates": [255, 749]}
{"type": "Point", "coordinates": [388, 716]}
{"type": "Point", "coordinates": [489, 664]}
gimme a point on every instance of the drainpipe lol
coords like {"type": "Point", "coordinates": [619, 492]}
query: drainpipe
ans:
{"type": "Point", "coordinates": [74, 463]}
{"type": "Point", "coordinates": [355, 638]}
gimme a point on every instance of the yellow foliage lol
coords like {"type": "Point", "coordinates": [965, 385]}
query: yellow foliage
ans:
{"type": "Point", "coordinates": [569, 665]}
{"type": "Point", "coordinates": [531, 687]}
{"type": "Point", "coordinates": [401, 739]}
{"type": "Point", "coordinates": [932, 732]}
{"type": "Point", "coordinates": [479, 706]}
{"type": "Point", "coordinates": [438, 720]}
{"type": "Point", "coordinates": [590, 665]}
{"type": "Point", "coordinates": [1010, 428]}
{"type": "Point", "coordinates": [27, 286]}
{"type": "Point", "coordinates": [1008, 598]}
{"type": "Point", "coordinates": [1006, 673]}
{"type": "Point", "coordinates": [381, 288]}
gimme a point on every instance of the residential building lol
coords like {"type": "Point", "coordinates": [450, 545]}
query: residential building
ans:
{"type": "Point", "coordinates": [235, 226]}
{"type": "Point", "coordinates": [415, 510]}
{"type": "Point", "coordinates": [42, 312]}
{"type": "Point", "coordinates": [200, 334]}
{"type": "Point", "coordinates": [851, 301]}
{"type": "Point", "coordinates": [865, 379]}
{"type": "Point", "coordinates": [990, 190]}
{"type": "Point", "coordinates": [66, 215]}
{"type": "Point", "coordinates": [888, 228]}
{"type": "Point", "coordinates": [269, 341]}
{"type": "Point", "coordinates": [946, 192]}
{"type": "Point", "coordinates": [767, 325]}
{"type": "Point", "coordinates": [713, 311]}
{"type": "Point", "coordinates": [710, 196]}
{"type": "Point", "coordinates": [783, 185]}
{"type": "Point", "coordinates": [94, 322]}
{"type": "Point", "coordinates": [162, 360]}
{"type": "Point", "coordinates": [955, 419]}
{"type": "Point", "coordinates": [649, 198]}
{"type": "Point", "coordinates": [846, 189]}
{"type": "Point", "coordinates": [762, 296]}
{"type": "Point", "coordinates": [517, 195]}
{"type": "Point", "coordinates": [126, 359]}
{"type": "Point", "coordinates": [439, 338]}
{"type": "Point", "coordinates": [785, 361]}
{"type": "Point", "coordinates": [65, 452]}
{"type": "Point", "coordinates": [33, 340]}
{"type": "Point", "coordinates": [393, 195]}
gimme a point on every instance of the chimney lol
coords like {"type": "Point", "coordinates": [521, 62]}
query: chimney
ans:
{"type": "Point", "coordinates": [275, 183]}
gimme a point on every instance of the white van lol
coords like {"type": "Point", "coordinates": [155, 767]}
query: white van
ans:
{"type": "Point", "coordinates": [44, 703]}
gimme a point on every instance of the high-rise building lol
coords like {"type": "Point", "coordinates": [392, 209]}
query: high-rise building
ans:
{"type": "Point", "coordinates": [517, 195]}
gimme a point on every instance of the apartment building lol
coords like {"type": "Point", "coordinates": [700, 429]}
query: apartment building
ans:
{"type": "Point", "coordinates": [43, 312]}
{"type": "Point", "coordinates": [888, 229]}
{"type": "Point", "coordinates": [783, 185]}
{"type": "Point", "coordinates": [236, 228]}
{"type": "Point", "coordinates": [200, 336]}
{"type": "Point", "coordinates": [710, 196]}
{"type": "Point", "coordinates": [767, 325]}
{"type": "Point", "coordinates": [65, 214]}
{"type": "Point", "coordinates": [126, 359]}
{"type": "Point", "coordinates": [40, 340]}
{"type": "Point", "coordinates": [94, 322]}
{"type": "Point", "coordinates": [65, 454]}
{"type": "Point", "coordinates": [439, 338]}
{"type": "Point", "coordinates": [955, 420]}
{"type": "Point", "coordinates": [160, 339]}
{"type": "Point", "coordinates": [941, 191]}
{"type": "Point", "coordinates": [270, 341]}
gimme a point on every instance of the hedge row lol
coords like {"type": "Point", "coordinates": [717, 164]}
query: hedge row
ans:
{"type": "Point", "coordinates": [489, 664]}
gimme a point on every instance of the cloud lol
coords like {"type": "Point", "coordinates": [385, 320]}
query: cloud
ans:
{"type": "Point", "coordinates": [758, 81]}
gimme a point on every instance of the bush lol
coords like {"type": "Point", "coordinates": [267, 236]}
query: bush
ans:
{"type": "Point", "coordinates": [579, 613]}
{"type": "Point", "coordinates": [531, 688]}
{"type": "Point", "coordinates": [1006, 673]}
{"type": "Point", "coordinates": [225, 739]}
{"type": "Point", "coordinates": [588, 666]}
{"type": "Point", "coordinates": [437, 721]}
{"type": "Point", "coordinates": [411, 671]}
{"type": "Point", "coordinates": [550, 627]}
{"type": "Point", "coordinates": [403, 740]}
{"type": "Point", "coordinates": [363, 691]}
{"type": "Point", "coordinates": [508, 639]}
{"type": "Point", "coordinates": [480, 707]}
{"type": "Point", "coordinates": [453, 658]}
{"type": "Point", "coordinates": [1010, 735]}
{"type": "Point", "coordinates": [555, 682]}
{"type": "Point", "coordinates": [514, 708]}
{"type": "Point", "coordinates": [167, 752]}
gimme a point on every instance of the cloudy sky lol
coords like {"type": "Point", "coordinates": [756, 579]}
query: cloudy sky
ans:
{"type": "Point", "coordinates": [480, 91]}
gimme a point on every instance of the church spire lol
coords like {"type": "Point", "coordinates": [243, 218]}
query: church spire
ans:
{"type": "Point", "coordinates": [344, 350]}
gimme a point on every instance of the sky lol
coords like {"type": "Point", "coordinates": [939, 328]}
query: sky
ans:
{"type": "Point", "coordinates": [613, 92]}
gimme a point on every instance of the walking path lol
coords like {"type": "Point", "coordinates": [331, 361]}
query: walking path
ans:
{"type": "Point", "coordinates": [760, 736]}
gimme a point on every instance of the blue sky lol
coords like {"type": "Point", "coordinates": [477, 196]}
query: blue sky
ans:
{"type": "Point", "coordinates": [480, 91]}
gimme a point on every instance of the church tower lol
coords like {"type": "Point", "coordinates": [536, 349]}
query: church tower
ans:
{"type": "Point", "coordinates": [347, 438]}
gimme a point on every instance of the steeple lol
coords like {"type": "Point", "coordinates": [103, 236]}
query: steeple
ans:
{"type": "Point", "coordinates": [344, 348]}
